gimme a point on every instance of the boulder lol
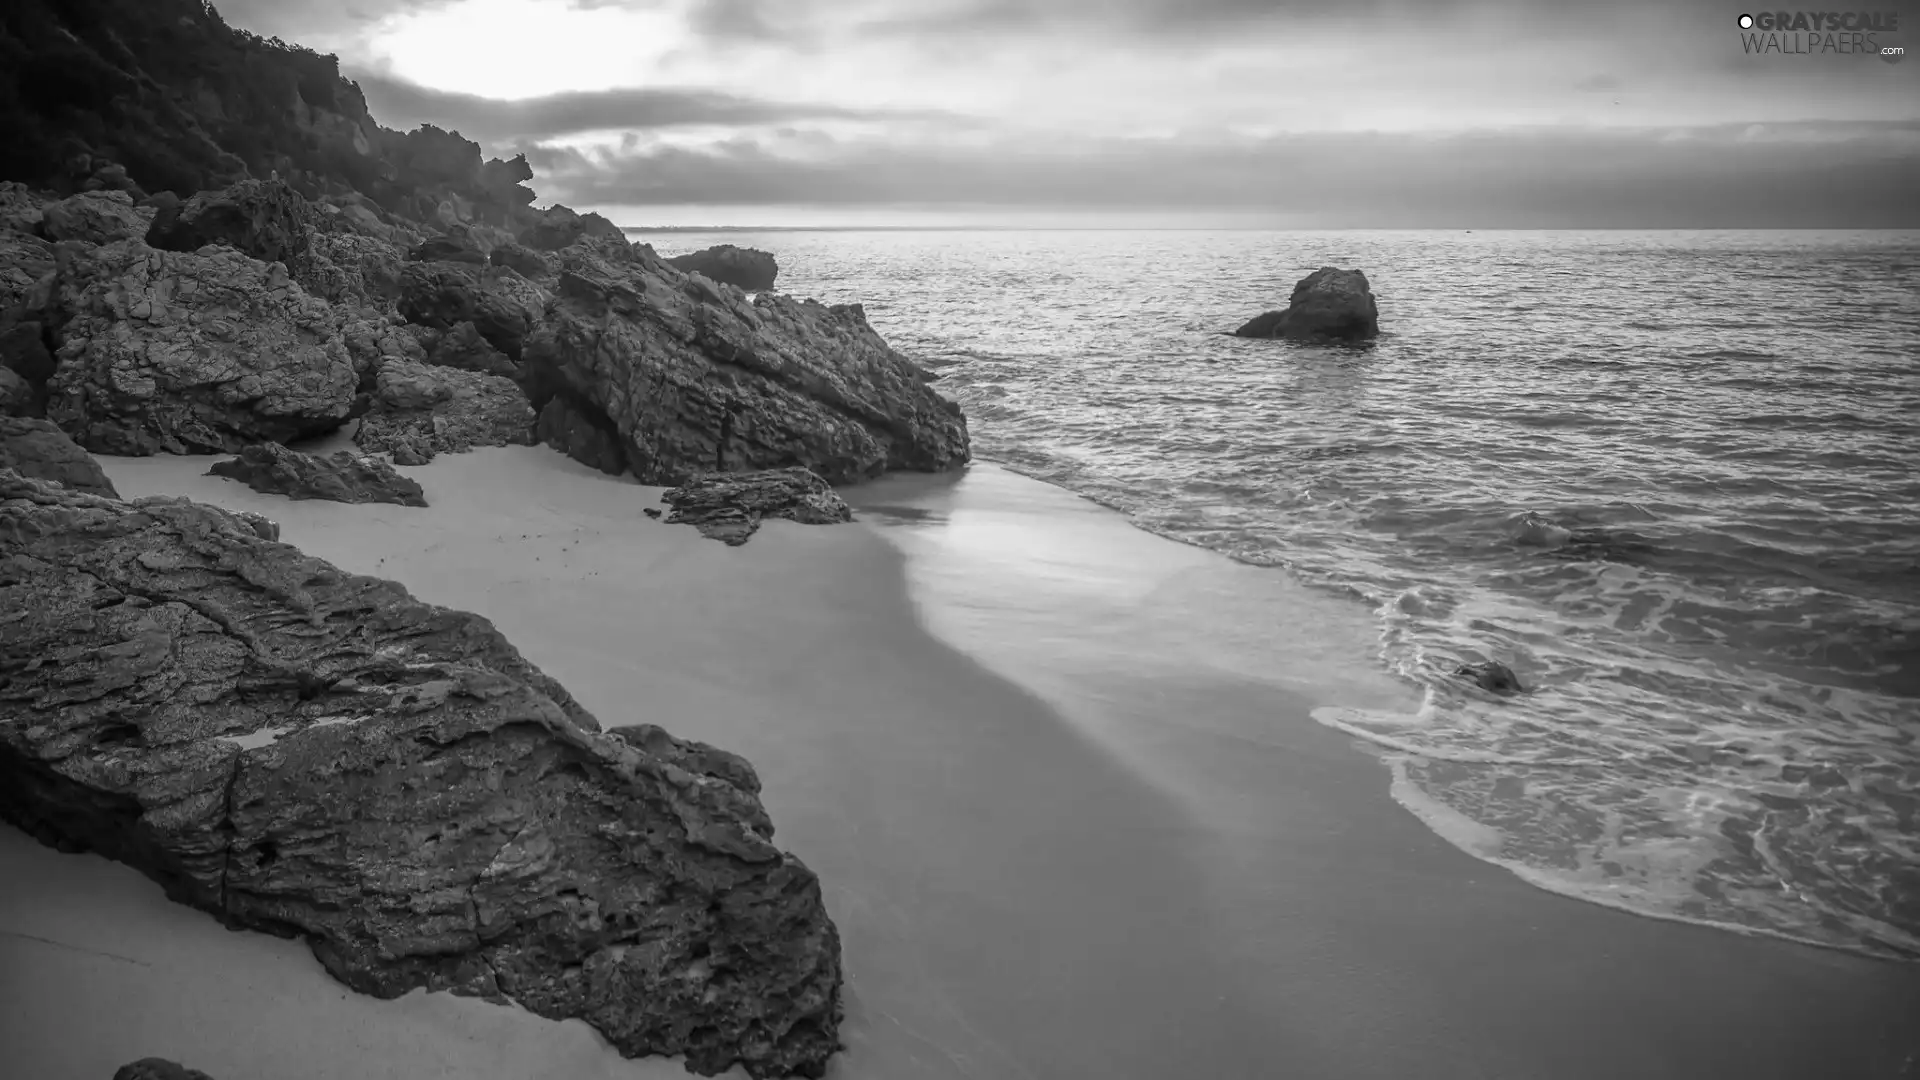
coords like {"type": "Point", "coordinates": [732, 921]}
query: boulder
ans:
{"type": "Point", "coordinates": [419, 410]}
{"type": "Point", "coordinates": [374, 340]}
{"type": "Point", "coordinates": [339, 477]}
{"type": "Point", "coordinates": [746, 268]}
{"type": "Point", "coordinates": [575, 430]}
{"type": "Point", "coordinates": [1329, 304]}
{"type": "Point", "coordinates": [20, 209]}
{"type": "Point", "coordinates": [464, 348]}
{"type": "Point", "coordinates": [730, 506]}
{"type": "Point", "coordinates": [350, 269]}
{"type": "Point", "coordinates": [319, 755]}
{"type": "Point", "coordinates": [38, 449]}
{"type": "Point", "coordinates": [24, 260]}
{"type": "Point", "coordinates": [183, 353]}
{"type": "Point", "coordinates": [501, 304]}
{"type": "Point", "coordinates": [559, 227]}
{"type": "Point", "coordinates": [696, 379]}
{"type": "Point", "coordinates": [265, 219]}
{"type": "Point", "coordinates": [157, 1069]}
{"type": "Point", "coordinates": [522, 260]}
{"type": "Point", "coordinates": [98, 217]}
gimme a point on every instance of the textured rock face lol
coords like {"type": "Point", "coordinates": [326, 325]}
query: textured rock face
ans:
{"type": "Point", "coordinates": [350, 269]}
{"type": "Point", "coordinates": [695, 379]}
{"type": "Point", "coordinates": [190, 353]}
{"type": "Point", "coordinates": [501, 304]}
{"type": "Point", "coordinates": [99, 217]}
{"type": "Point", "coordinates": [1329, 304]}
{"type": "Point", "coordinates": [24, 260]}
{"type": "Point", "coordinates": [338, 477]}
{"type": "Point", "coordinates": [747, 268]}
{"type": "Point", "coordinates": [572, 430]}
{"type": "Point", "coordinates": [419, 410]}
{"type": "Point", "coordinates": [522, 260]}
{"type": "Point", "coordinates": [265, 219]}
{"type": "Point", "coordinates": [157, 1069]}
{"type": "Point", "coordinates": [730, 506]}
{"type": "Point", "coordinates": [316, 754]}
{"type": "Point", "coordinates": [40, 450]}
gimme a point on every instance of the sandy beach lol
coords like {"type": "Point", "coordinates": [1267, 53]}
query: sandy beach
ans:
{"type": "Point", "coordinates": [1059, 777]}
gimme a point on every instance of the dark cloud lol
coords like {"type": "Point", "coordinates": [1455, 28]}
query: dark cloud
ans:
{"type": "Point", "coordinates": [1859, 176]}
{"type": "Point", "coordinates": [398, 103]}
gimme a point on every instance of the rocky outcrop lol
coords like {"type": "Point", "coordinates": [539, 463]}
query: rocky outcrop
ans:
{"type": "Point", "coordinates": [559, 227]}
{"type": "Point", "coordinates": [351, 270]}
{"type": "Point", "coordinates": [730, 506]}
{"type": "Point", "coordinates": [24, 260]}
{"type": "Point", "coordinates": [464, 347]}
{"type": "Point", "coordinates": [419, 410]}
{"type": "Point", "coordinates": [501, 304]}
{"type": "Point", "coordinates": [524, 261]}
{"type": "Point", "coordinates": [265, 219]}
{"type": "Point", "coordinates": [1329, 304]}
{"type": "Point", "coordinates": [338, 477]}
{"type": "Point", "coordinates": [183, 353]}
{"type": "Point", "coordinates": [696, 379]}
{"type": "Point", "coordinates": [315, 754]}
{"type": "Point", "coordinates": [98, 217]}
{"type": "Point", "coordinates": [158, 1069]}
{"type": "Point", "coordinates": [746, 268]}
{"type": "Point", "coordinates": [40, 450]}
{"type": "Point", "coordinates": [574, 430]}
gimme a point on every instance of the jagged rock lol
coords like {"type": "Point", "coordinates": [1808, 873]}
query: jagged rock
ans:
{"type": "Point", "coordinates": [374, 341]}
{"type": "Point", "coordinates": [265, 219]}
{"type": "Point", "coordinates": [178, 352]}
{"type": "Point", "coordinates": [523, 260]}
{"type": "Point", "coordinates": [20, 209]}
{"type": "Point", "coordinates": [571, 429]}
{"type": "Point", "coordinates": [730, 506]}
{"type": "Point", "coordinates": [347, 268]}
{"type": "Point", "coordinates": [500, 303]}
{"type": "Point", "coordinates": [464, 348]}
{"type": "Point", "coordinates": [40, 450]}
{"type": "Point", "coordinates": [157, 1069]}
{"type": "Point", "coordinates": [560, 227]}
{"type": "Point", "coordinates": [24, 260]}
{"type": "Point", "coordinates": [340, 477]}
{"type": "Point", "coordinates": [448, 249]}
{"type": "Point", "coordinates": [98, 217]}
{"type": "Point", "coordinates": [695, 379]}
{"type": "Point", "coordinates": [316, 754]}
{"type": "Point", "coordinates": [17, 395]}
{"type": "Point", "coordinates": [1492, 675]}
{"type": "Point", "coordinates": [419, 410]}
{"type": "Point", "coordinates": [1329, 304]}
{"type": "Point", "coordinates": [747, 268]}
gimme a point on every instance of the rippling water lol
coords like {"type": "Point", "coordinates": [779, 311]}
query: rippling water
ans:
{"type": "Point", "coordinates": [1672, 479]}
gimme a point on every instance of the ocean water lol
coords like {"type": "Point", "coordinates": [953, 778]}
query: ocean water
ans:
{"type": "Point", "coordinates": [1672, 479]}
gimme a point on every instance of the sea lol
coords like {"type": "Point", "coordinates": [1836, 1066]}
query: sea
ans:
{"type": "Point", "coordinates": [1672, 479]}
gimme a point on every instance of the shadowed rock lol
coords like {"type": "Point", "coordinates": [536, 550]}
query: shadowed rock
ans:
{"type": "Point", "coordinates": [17, 395]}
{"type": "Point", "coordinates": [730, 506]}
{"type": "Point", "coordinates": [522, 260]}
{"type": "Point", "coordinates": [40, 450]}
{"type": "Point", "coordinates": [264, 219]}
{"type": "Point", "coordinates": [501, 304]}
{"type": "Point", "coordinates": [1493, 676]}
{"type": "Point", "coordinates": [338, 477]}
{"type": "Point", "coordinates": [448, 249]}
{"type": "Point", "coordinates": [319, 755]}
{"type": "Point", "coordinates": [24, 260]}
{"type": "Point", "coordinates": [158, 1069]}
{"type": "Point", "coordinates": [465, 348]}
{"type": "Point", "coordinates": [20, 209]}
{"type": "Point", "coordinates": [1329, 304]}
{"type": "Point", "coordinates": [747, 268]}
{"type": "Point", "coordinates": [419, 410]}
{"type": "Point", "coordinates": [571, 429]}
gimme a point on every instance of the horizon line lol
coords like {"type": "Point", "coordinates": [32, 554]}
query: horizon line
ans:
{"type": "Point", "coordinates": [1262, 228]}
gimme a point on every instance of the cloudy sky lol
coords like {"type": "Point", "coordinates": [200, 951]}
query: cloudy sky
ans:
{"type": "Point", "coordinates": [1305, 113]}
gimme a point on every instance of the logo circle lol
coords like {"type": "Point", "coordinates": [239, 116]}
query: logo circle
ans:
{"type": "Point", "coordinates": [1746, 22]}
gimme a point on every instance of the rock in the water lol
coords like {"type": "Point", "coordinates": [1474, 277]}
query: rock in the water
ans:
{"type": "Point", "coordinates": [1492, 675]}
{"type": "Point", "coordinates": [24, 260]}
{"type": "Point", "coordinates": [522, 260]}
{"type": "Point", "coordinates": [265, 219]}
{"type": "Point", "coordinates": [339, 477]}
{"type": "Point", "coordinates": [98, 217]}
{"type": "Point", "coordinates": [193, 353]}
{"type": "Point", "coordinates": [730, 506]}
{"type": "Point", "coordinates": [501, 304]}
{"type": "Point", "coordinates": [573, 430]}
{"type": "Point", "coordinates": [157, 1069]}
{"type": "Point", "coordinates": [1329, 304]}
{"type": "Point", "coordinates": [748, 268]}
{"type": "Point", "coordinates": [312, 753]}
{"type": "Point", "coordinates": [40, 450]}
{"type": "Point", "coordinates": [17, 395]}
{"type": "Point", "coordinates": [420, 410]}
{"type": "Point", "coordinates": [695, 379]}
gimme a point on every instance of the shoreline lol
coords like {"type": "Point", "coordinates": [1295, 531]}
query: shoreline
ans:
{"type": "Point", "coordinates": [1096, 838]}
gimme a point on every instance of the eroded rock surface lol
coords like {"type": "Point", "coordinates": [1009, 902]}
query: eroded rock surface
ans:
{"type": "Point", "coordinates": [317, 754]}
{"type": "Point", "coordinates": [730, 506]}
{"type": "Point", "coordinates": [40, 450]}
{"type": "Point", "coordinates": [1329, 304]}
{"type": "Point", "coordinates": [338, 477]}
{"type": "Point", "coordinates": [420, 410]}
{"type": "Point", "coordinates": [747, 268]}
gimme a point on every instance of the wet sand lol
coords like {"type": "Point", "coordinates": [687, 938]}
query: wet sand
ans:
{"type": "Point", "coordinates": [1058, 777]}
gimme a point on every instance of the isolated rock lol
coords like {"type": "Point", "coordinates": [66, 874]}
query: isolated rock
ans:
{"type": "Point", "coordinates": [730, 506]}
{"type": "Point", "coordinates": [419, 410]}
{"type": "Point", "coordinates": [572, 429]}
{"type": "Point", "coordinates": [339, 477]}
{"type": "Point", "coordinates": [39, 450]}
{"type": "Point", "coordinates": [522, 260]}
{"type": "Point", "coordinates": [1492, 675]}
{"type": "Point", "coordinates": [265, 219]}
{"type": "Point", "coordinates": [317, 754]}
{"type": "Point", "coordinates": [501, 304]}
{"type": "Point", "coordinates": [98, 217]}
{"type": "Point", "coordinates": [695, 379]}
{"type": "Point", "coordinates": [1329, 304]}
{"type": "Point", "coordinates": [748, 268]}
{"type": "Point", "coordinates": [24, 260]}
{"type": "Point", "coordinates": [158, 1069]}
{"type": "Point", "coordinates": [186, 353]}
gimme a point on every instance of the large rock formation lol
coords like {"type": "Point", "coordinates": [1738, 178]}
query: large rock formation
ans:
{"type": "Point", "coordinates": [730, 506]}
{"type": "Point", "coordinates": [1329, 304]}
{"type": "Point", "coordinates": [558, 227]}
{"type": "Point", "coordinates": [419, 410]}
{"type": "Point", "coordinates": [747, 268]}
{"type": "Point", "coordinates": [695, 379]}
{"type": "Point", "coordinates": [337, 477]}
{"type": "Point", "coordinates": [316, 754]}
{"type": "Point", "coordinates": [40, 450]}
{"type": "Point", "coordinates": [192, 353]}
{"type": "Point", "coordinates": [500, 303]}
{"type": "Point", "coordinates": [265, 219]}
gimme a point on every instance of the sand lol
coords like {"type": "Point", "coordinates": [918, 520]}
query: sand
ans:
{"type": "Point", "coordinates": [1059, 779]}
